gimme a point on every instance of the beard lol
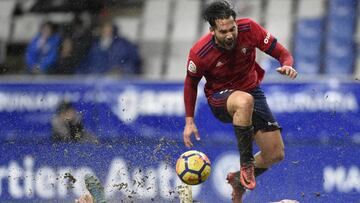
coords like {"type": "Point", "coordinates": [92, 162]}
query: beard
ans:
{"type": "Point", "coordinates": [226, 44]}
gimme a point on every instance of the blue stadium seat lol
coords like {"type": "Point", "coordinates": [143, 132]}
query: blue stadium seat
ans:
{"type": "Point", "coordinates": [339, 66]}
{"type": "Point", "coordinates": [339, 58]}
{"type": "Point", "coordinates": [307, 50]}
{"type": "Point", "coordinates": [339, 49]}
{"type": "Point", "coordinates": [357, 66]}
{"type": "Point", "coordinates": [341, 27]}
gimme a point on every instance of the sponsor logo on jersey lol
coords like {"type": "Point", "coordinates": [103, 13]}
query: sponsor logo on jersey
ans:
{"type": "Point", "coordinates": [266, 40]}
{"type": "Point", "coordinates": [192, 67]}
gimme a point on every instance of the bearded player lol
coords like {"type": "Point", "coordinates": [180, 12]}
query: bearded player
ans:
{"type": "Point", "coordinates": [225, 57]}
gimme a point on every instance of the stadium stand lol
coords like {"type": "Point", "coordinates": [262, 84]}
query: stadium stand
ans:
{"type": "Point", "coordinates": [183, 34]}
{"type": "Point", "coordinates": [321, 34]}
{"type": "Point", "coordinates": [25, 27]}
{"type": "Point", "coordinates": [128, 27]}
{"type": "Point", "coordinates": [357, 40]}
{"type": "Point", "coordinates": [278, 26]}
{"type": "Point", "coordinates": [276, 23]}
{"type": "Point", "coordinates": [249, 9]}
{"type": "Point", "coordinates": [339, 49]}
{"type": "Point", "coordinates": [153, 36]}
{"type": "Point", "coordinates": [308, 36]}
{"type": "Point", "coordinates": [6, 8]}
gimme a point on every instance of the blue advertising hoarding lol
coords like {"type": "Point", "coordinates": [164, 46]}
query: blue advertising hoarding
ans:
{"type": "Point", "coordinates": [140, 129]}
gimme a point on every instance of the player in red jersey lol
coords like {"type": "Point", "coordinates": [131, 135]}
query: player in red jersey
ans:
{"type": "Point", "coordinates": [226, 58]}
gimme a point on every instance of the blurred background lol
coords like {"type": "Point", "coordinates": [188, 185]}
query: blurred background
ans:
{"type": "Point", "coordinates": [95, 86]}
{"type": "Point", "coordinates": [323, 35]}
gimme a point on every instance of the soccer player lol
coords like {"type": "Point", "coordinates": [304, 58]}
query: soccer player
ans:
{"type": "Point", "coordinates": [226, 58]}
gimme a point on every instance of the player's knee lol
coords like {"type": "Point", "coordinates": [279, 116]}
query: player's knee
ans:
{"type": "Point", "coordinates": [279, 156]}
{"type": "Point", "coordinates": [244, 101]}
{"type": "Point", "coordinates": [275, 156]}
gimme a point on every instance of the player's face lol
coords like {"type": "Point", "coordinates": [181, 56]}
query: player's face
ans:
{"type": "Point", "coordinates": [225, 33]}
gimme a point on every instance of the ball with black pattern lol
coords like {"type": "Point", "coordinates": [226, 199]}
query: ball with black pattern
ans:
{"type": "Point", "coordinates": [193, 167]}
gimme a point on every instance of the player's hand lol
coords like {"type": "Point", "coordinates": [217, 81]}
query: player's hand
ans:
{"type": "Point", "coordinates": [85, 198]}
{"type": "Point", "coordinates": [190, 128]}
{"type": "Point", "coordinates": [287, 70]}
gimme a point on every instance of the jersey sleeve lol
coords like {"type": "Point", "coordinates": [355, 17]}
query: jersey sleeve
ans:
{"type": "Point", "coordinates": [193, 77]}
{"type": "Point", "coordinates": [269, 44]}
{"type": "Point", "coordinates": [265, 41]}
{"type": "Point", "coordinates": [193, 66]}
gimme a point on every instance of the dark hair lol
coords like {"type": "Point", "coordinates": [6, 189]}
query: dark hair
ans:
{"type": "Point", "coordinates": [218, 10]}
{"type": "Point", "coordinates": [64, 106]}
{"type": "Point", "coordinates": [49, 24]}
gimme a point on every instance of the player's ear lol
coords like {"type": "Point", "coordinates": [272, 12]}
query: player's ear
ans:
{"type": "Point", "coordinates": [212, 30]}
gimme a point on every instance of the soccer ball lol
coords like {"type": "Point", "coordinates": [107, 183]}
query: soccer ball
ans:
{"type": "Point", "coordinates": [193, 167]}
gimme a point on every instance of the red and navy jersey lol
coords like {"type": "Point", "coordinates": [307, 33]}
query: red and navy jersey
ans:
{"type": "Point", "coordinates": [235, 69]}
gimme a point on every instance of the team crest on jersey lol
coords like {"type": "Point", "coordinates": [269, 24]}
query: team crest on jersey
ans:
{"type": "Point", "coordinates": [192, 67]}
{"type": "Point", "coordinates": [245, 51]}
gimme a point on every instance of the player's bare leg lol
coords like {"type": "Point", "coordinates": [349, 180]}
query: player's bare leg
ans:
{"type": "Point", "coordinates": [271, 150]}
{"type": "Point", "coordinates": [240, 106]}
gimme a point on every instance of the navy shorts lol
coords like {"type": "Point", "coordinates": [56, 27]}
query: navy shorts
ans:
{"type": "Point", "coordinates": [262, 117]}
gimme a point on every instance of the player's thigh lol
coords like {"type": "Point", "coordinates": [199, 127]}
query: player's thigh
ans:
{"type": "Point", "coordinates": [270, 142]}
{"type": "Point", "coordinates": [239, 100]}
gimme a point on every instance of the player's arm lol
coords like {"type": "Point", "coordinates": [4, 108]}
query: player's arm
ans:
{"type": "Point", "coordinates": [192, 80]}
{"type": "Point", "coordinates": [190, 94]}
{"type": "Point", "coordinates": [269, 44]}
{"type": "Point", "coordinates": [285, 59]}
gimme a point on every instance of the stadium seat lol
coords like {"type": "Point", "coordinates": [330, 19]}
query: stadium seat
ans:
{"type": "Point", "coordinates": [279, 27]}
{"type": "Point", "coordinates": [184, 33]}
{"type": "Point", "coordinates": [357, 34]}
{"type": "Point", "coordinates": [357, 40]}
{"type": "Point", "coordinates": [308, 36]}
{"type": "Point", "coordinates": [248, 9]}
{"type": "Point", "coordinates": [307, 45]}
{"type": "Point", "coordinates": [153, 35]}
{"type": "Point", "coordinates": [341, 17]}
{"type": "Point", "coordinates": [26, 27]}
{"type": "Point", "coordinates": [59, 17]}
{"type": "Point", "coordinates": [357, 67]}
{"type": "Point", "coordinates": [128, 27]}
{"type": "Point", "coordinates": [339, 49]}
{"type": "Point", "coordinates": [339, 67]}
{"type": "Point", "coordinates": [309, 9]}
{"type": "Point", "coordinates": [276, 23]}
{"type": "Point", "coordinates": [6, 10]}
